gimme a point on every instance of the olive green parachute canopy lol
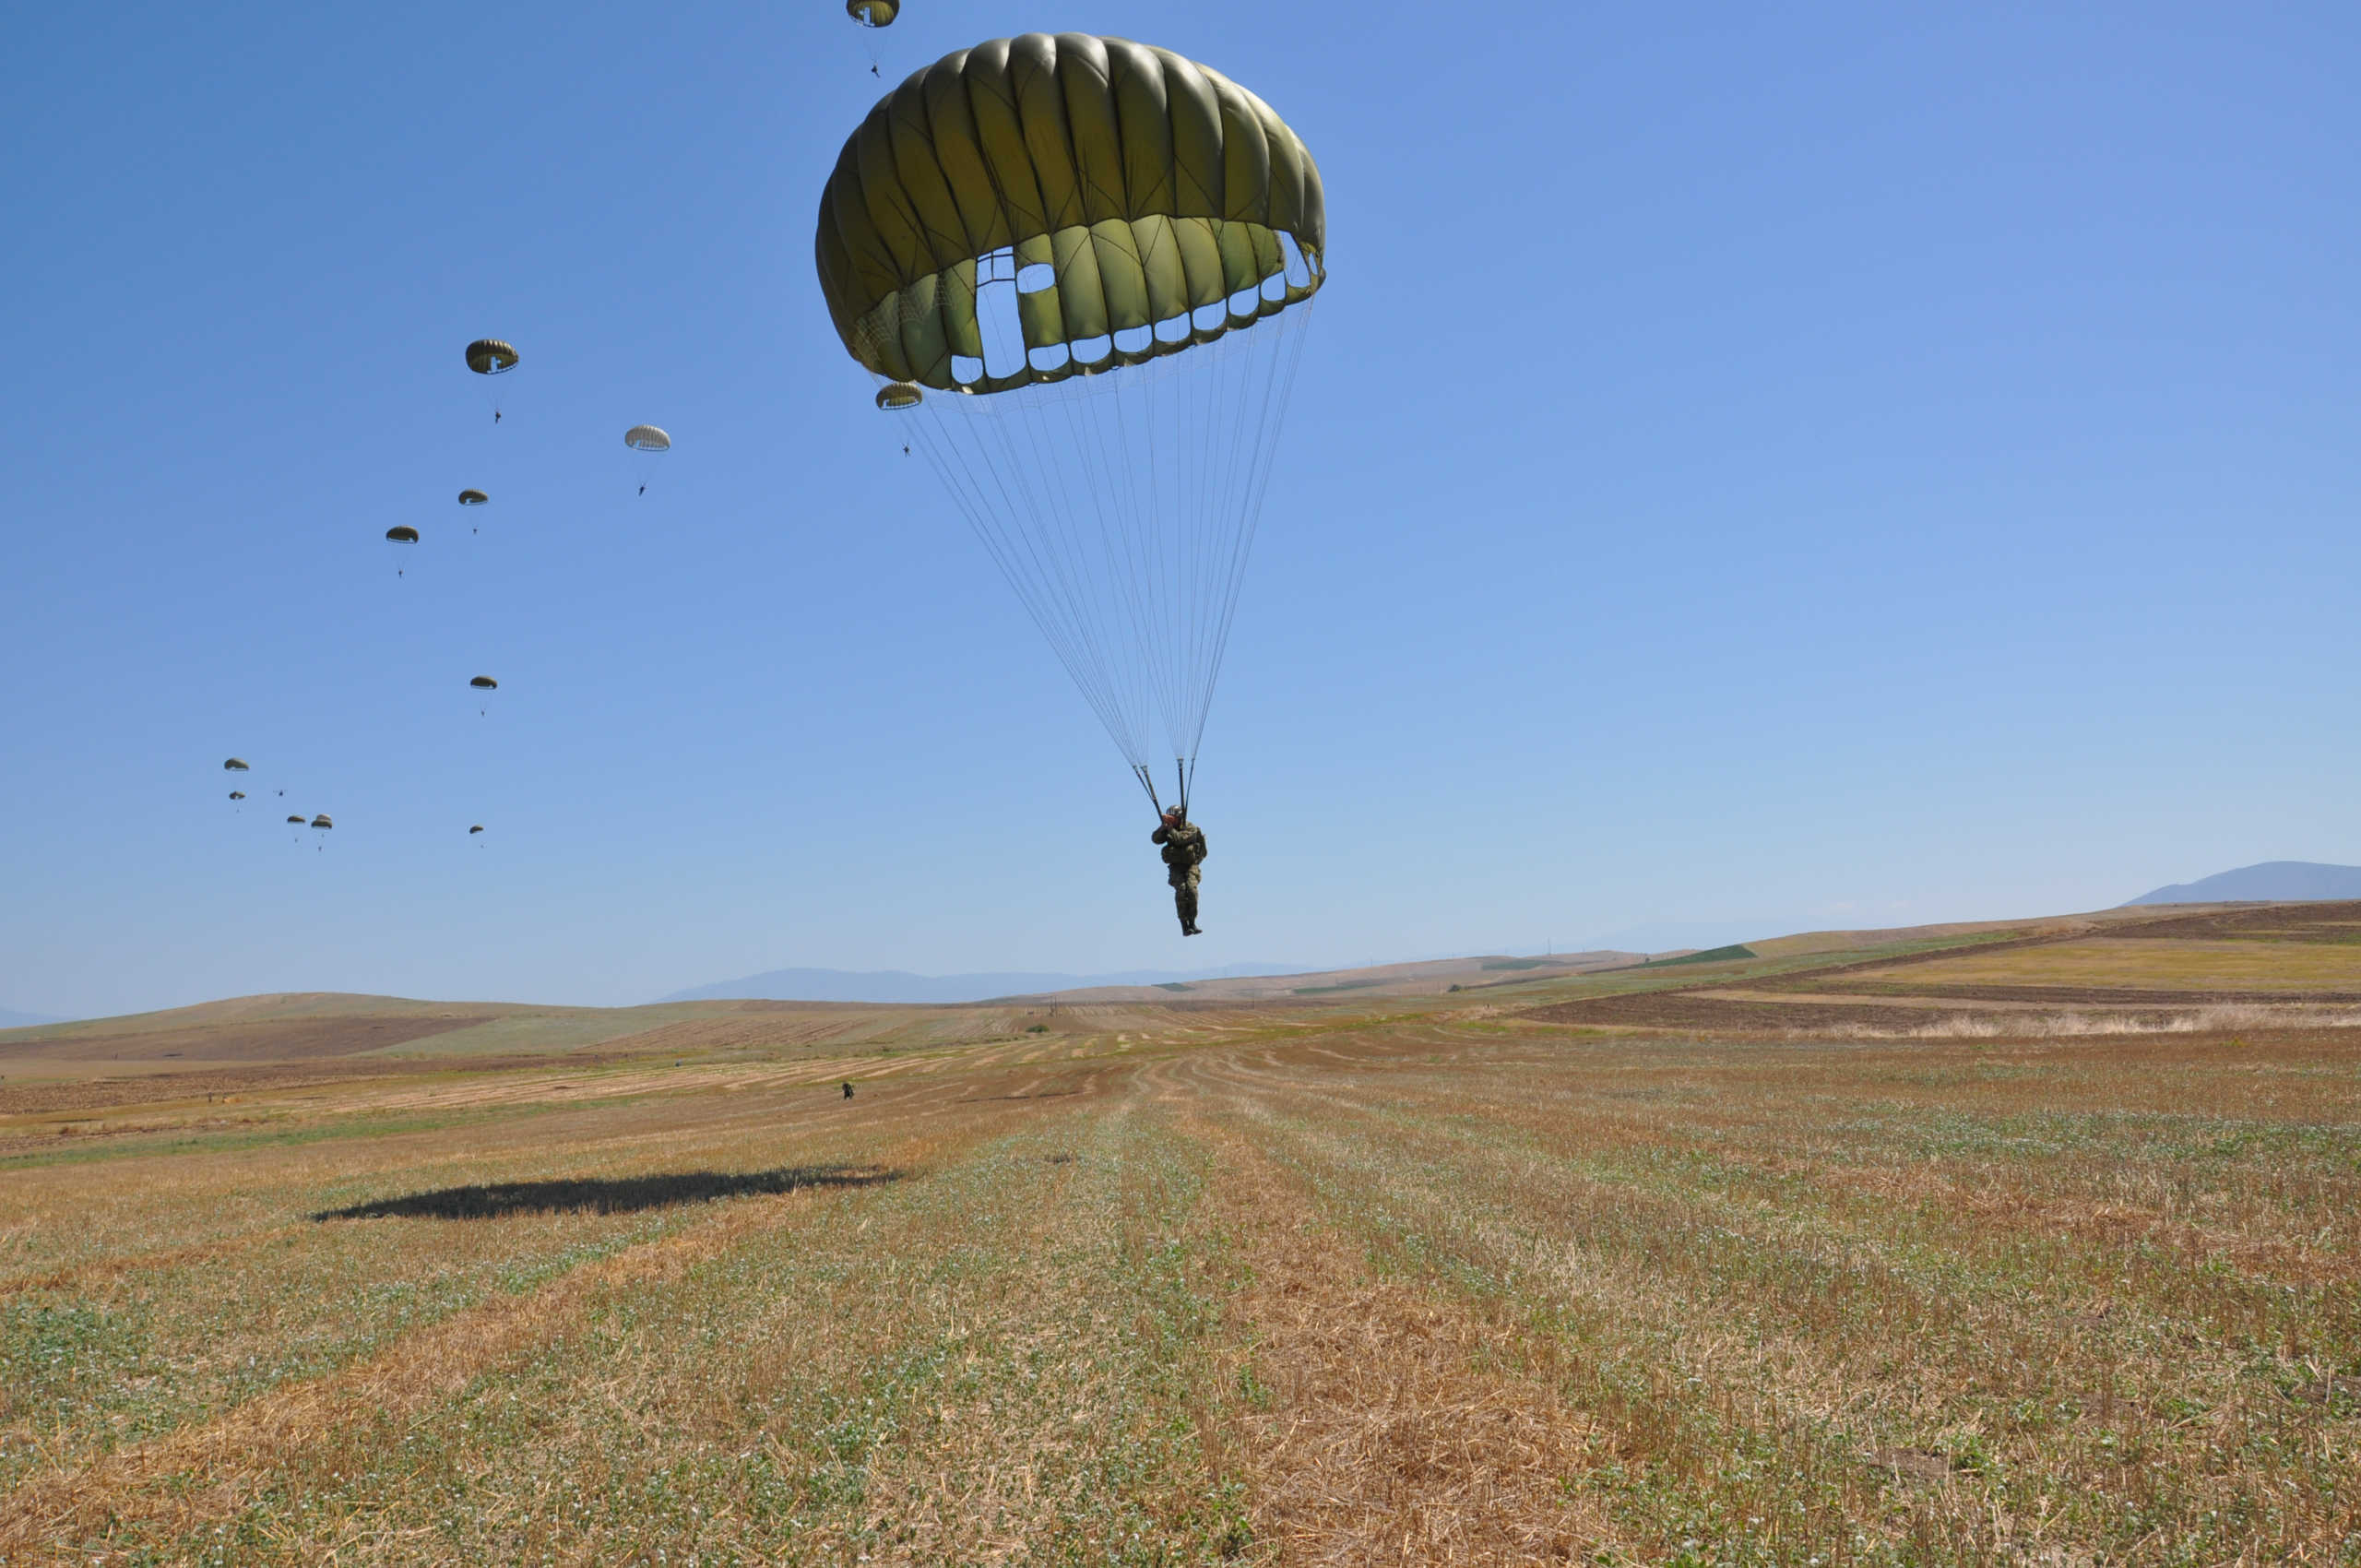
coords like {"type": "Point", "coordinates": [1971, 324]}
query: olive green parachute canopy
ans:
{"type": "Point", "coordinates": [490, 356]}
{"type": "Point", "coordinates": [484, 683]}
{"type": "Point", "coordinates": [472, 498]}
{"type": "Point", "coordinates": [1141, 203]}
{"type": "Point", "coordinates": [297, 819]}
{"type": "Point", "coordinates": [874, 13]}
{"type": "Point", "coordinates": [476, 828]}
{"type": "Point", "coordinates": [235, 764]}
{"type": "Point", "coordinates": [402, 534]}
{"type": "Point", "coordinates": [323, 820]}
{"type": "Point", "coordinates": [647, 438]}
{"type": "Point", "coordinates": [237, 794]}
{"type": "Point", "coordinates": [1021, 217]}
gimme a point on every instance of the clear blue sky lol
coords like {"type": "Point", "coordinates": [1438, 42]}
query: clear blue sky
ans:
{"type": "Point", "coordinates": [1843, 465]}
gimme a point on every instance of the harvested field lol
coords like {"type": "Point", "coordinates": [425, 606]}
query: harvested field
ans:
{"type": "Point", "coordinates": [2197, 964]}
{"type": "Point", "coordinates": [1448, 1284]}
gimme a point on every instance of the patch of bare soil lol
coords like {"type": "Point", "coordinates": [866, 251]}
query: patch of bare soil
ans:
{"type": "Point", "coordinates": [1704, 1011]}
{"type": "Point", "coordinates": [2119, 996]}
{"type": "Point", "coordinates": [2338, 923]}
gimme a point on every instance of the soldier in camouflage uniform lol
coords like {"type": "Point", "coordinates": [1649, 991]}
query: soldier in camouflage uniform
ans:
{"type": "Point", "coordinates": [1184, 849]}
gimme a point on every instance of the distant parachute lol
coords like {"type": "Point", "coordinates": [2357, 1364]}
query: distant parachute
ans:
{"type": "Point", "coordinates": [402, 534]}
{"type": "Point", "coordinates": [237, 794]}
{"type": "Point", "coordinates": [297, 819]}
{"type": "Point", "coordinates": [490, 356]}
{"type": "Point", "coordinates": [472, 498]}
{"type": "Point", "coordinates": [235, 764]}
{"type": "Point", "coordinates": [874, 13]}
{"type": "Point", "coordinates": [323, 822]}
{"type": "Point", "coordinates": [1096, 258]}
{"type": "Point", "coordinates": [647, 438]}
{"type": "Point", "coordinates": [484, 683]}
{"type": "Point", "coordinates": [476, 828]}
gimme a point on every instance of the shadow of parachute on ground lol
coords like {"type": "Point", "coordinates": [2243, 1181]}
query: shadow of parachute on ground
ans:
{"type": "Point", "coordinates": [623, 1194]}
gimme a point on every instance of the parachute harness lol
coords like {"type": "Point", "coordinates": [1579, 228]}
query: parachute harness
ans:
{"type": "Point", "coordinates": [1121, 507]}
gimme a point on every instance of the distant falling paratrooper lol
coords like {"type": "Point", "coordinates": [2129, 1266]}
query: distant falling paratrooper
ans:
{"type": "Point", "coordinates": [471, 499]}
{"type": "Point", "coordinates": [874, 14]}
{"type": "Point", "coordinates": [482, 683]}
{"type": "Point", "coordinates": [647, 438]}
{"type": "Point", "coordinates": [398, 536]}
{"type": "Point", "coordinates": [490, 356]}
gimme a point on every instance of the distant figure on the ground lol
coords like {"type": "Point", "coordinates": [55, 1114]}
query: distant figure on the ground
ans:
{"type": "Point", "coordinates": [1184, 851]}
{"type": "Point", "coordinates": [847, 1091]}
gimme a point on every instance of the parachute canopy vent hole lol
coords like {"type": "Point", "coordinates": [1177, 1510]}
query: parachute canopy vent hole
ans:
{"type": "Point", "coordinates": [998, 319]}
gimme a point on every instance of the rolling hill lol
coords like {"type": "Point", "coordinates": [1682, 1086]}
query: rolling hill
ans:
{"type": "Point", "coordinates": [901, 985]}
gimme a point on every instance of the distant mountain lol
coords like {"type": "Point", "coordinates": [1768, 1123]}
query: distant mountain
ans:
{"type": "Point", "coordinates": [24, 1020]}
{"type": "Point", "coordinates": [2272, 882]}
{"type": "Point", "coordinates": [899, 985]}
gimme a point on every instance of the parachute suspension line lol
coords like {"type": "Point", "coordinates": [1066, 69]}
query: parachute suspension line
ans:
{"type": "Point", "coordinates": [1136, 406]}
{"type": "Point", "coordinates": [1086, 579]}
{"type": "Point", "coordinates": [1106, 587]}
{"type": "Point", "coordinates": [1121, 506]}
{"type": "Point", "coordinates": [996, 513]}
{"type": "Point", "coordinates": [1118, 536]}
{"type": "Point", "coordinates": [1269, 415]}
